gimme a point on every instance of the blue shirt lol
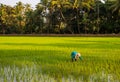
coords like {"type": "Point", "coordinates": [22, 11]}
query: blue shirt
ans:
{"type": "Point", "coordinates": [73, 54]}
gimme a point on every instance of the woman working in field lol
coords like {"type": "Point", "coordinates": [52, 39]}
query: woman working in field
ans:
{"type": "Point", "coordinates": [75, 56]}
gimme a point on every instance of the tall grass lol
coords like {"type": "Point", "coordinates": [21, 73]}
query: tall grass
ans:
{"type": "Point", "coordinates": [49, 57]}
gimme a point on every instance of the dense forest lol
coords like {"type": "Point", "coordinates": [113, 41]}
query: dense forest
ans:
{"type": "Point", "coordinates": [61, 17]}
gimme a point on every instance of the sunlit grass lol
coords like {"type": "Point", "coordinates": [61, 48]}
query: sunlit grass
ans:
{"type": "Point", "coordinates": [51, 56]}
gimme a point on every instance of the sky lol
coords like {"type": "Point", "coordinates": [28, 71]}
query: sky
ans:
{"type": "Point", "coordinates": [13, 2]}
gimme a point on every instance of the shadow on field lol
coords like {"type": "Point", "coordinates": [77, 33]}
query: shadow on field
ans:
{"type": "Point", "coordinates": [32, 56]}
{"type": "Point", "coordinates": [67, 45]}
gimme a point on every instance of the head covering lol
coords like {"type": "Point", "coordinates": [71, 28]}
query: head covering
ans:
{"type": "Point", "coordinates": [80, 56]}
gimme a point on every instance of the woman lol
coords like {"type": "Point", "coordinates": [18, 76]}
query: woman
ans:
{"type": "Point", "coordinates": [75, 56]}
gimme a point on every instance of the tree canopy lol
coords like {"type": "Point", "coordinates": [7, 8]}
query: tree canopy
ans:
{"type": "Point", "coordinates": [61, 17]}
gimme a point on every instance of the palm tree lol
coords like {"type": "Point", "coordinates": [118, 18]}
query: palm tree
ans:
{"type": "Point", "coordinates": [46, 14]}
{"type": "Point", "coordinates": [61, 7]}
{"type": "Point", "coordinates": [116, 15]}
{"type": "Point", "coordinates": [116, 7]}
{"type": "Point", "coordinates": [79, 5]}
{"type": "Point", "coordinates": [20, 15]}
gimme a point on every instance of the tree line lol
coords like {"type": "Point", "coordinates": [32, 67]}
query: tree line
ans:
{"type": "Point", "coordinates": [61, 17]}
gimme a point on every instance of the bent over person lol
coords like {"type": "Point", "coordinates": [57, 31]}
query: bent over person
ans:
{"type": "Point", "coordinates": [75, 56]}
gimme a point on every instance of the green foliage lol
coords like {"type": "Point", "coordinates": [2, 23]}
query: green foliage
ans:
{"type": "Point", "coordinates": [50, 56]}
{"type": "Point", "coordinates": [61, 16]}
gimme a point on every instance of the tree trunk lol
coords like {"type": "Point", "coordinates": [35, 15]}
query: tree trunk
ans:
{"type": "Point", "coordinates": [78, 27]}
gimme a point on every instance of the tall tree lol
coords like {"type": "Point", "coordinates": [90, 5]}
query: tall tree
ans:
{"type": "Point", "coordinates": [116, 15]}
{"type": "Point", "coordinates": [116, 7]}
{"type": "Point", "coordinates": [29, 19]}
{"type": "Point", "coordinates": [3, 15]}
{"type": "Point", "coordinates": [81, 6]}
{"type": "Point", "coordinates": [20, 16]}
{"type": "Point", "coordinates": [6, 18]}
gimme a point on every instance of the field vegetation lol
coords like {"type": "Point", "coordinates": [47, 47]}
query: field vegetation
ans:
{"type": "Point", "coordinates": [47, 59]}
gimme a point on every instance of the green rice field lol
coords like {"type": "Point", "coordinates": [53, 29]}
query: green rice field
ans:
{"type": "Point", "coordinates": [48, 59]}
